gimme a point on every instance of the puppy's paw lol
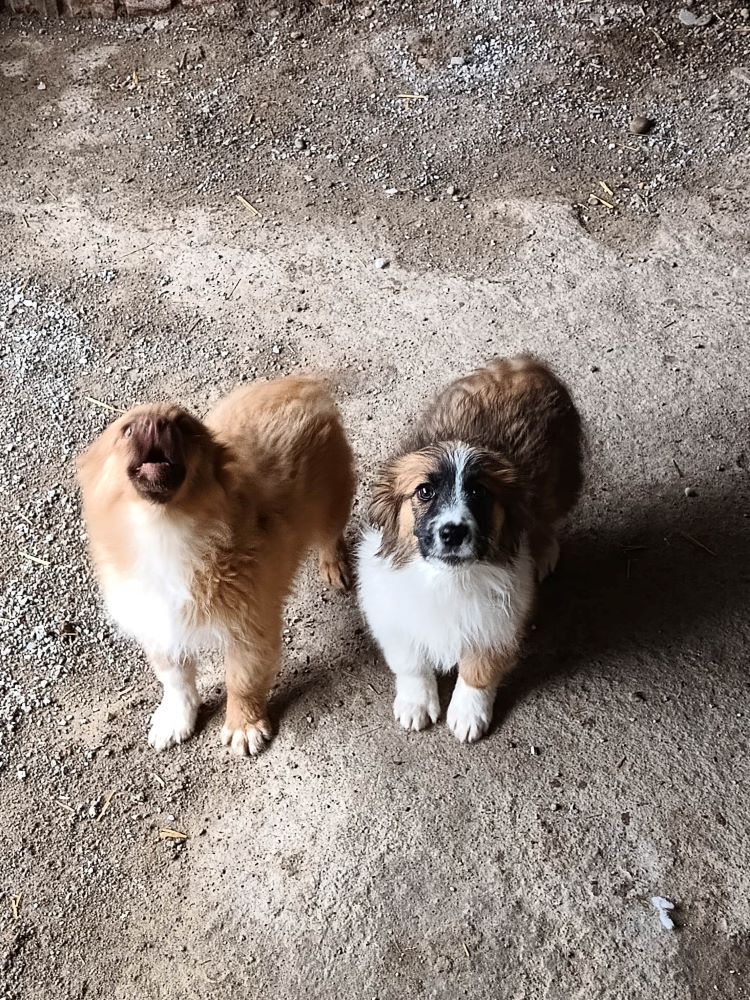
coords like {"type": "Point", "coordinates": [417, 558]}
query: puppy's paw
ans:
{"type": "Point", "coordinates": [416, 704]}
{"type": "Point", "coordinates": [335, 568]}
{"type": "Point", "coordinates": [470, 711]}
{"type": "Point", "coordinates": [173, 722]}
{"type": "Point", "coordinates": [248, 739]}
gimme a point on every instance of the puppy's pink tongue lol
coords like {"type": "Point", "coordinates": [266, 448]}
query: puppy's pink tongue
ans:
{"type": "Point", "coordinates": [152, 470]}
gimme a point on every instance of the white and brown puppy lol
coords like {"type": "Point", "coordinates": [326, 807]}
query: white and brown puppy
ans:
{"type": "Point", "coordinates": [197, 529]}
{"type": "Point", "coordinates": [465, 524]}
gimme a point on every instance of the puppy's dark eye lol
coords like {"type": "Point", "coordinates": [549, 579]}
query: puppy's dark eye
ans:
{"type": "Point", "coordinates": [425, 492]}
{"type": "Point", "coordinates": [476, 490]}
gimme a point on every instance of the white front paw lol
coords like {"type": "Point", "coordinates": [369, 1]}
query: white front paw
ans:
{"type": "Point", "coordinates": [470, 711]}
{"type": "Point", "coordinates": [416, 704]}
{"type": "Point", "coordinates": [173, 722]}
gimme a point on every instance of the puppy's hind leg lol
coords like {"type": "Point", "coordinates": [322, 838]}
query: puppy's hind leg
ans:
{"type": "Point", "coordinates": [334, 564]}
{"type": "Point", "coordinates": [174, 720]}
{"type": "Point", "coordinates": [336, 492]}
{"type": "Point", "coordinates": [333, 552]}
{"type": "Point", "coordinates": [545, 549]}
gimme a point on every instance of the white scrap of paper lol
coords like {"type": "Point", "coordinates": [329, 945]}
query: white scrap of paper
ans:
{"type": "Point", "coordinates": [662, 907]}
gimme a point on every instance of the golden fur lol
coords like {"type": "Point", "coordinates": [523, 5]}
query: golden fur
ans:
{"type": "Point", "coordinates": [266, 476]}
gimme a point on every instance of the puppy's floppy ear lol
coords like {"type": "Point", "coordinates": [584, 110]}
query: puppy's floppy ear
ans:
{"type": "Point", "coordinates": [506, 484]}
{"type": "Point", "coordinates": [386, 501]}
{"type": "Point", "coordinates": [498, 474]}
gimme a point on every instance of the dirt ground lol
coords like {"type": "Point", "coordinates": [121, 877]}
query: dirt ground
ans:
{"type": "Point", "coordinates": [481, 152]}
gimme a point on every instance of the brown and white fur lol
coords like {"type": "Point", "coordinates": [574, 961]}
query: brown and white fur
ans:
{"type": "Point", "coordinates": [464, 524]}
{"type": "Point", "coordinates": [196, 532]}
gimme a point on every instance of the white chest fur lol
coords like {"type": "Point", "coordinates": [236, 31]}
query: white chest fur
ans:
{"type": "Point", "coordinates": [439, 612]}
{"type": "Point", "coordinates": [152, 599]}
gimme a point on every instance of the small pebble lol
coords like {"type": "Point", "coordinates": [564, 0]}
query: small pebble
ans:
{"type": "Point", "coordinates": [295, 35]}
{"type": "Point", "coordinates": [381, 263]}
{"type": "Point", "coordinates": [41, 85]}
{"type": "Point", "coordinates": [641, 125]}
{"type": "Point", "coordinates": [691, 20]}
{"type": "Point", "coordinates": [451, 190]}
{"type": "Point", "coordinates": [690, 491]}
{"type": "Point", "coordinates": [300, 143]}
{"type": "Point", "coordinates": [457, 61]}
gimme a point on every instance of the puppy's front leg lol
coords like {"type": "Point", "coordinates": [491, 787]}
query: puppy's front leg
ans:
{"type": "Point", "coordinates": [250, 670]}
{"type": "Point", "coordinates": [479, 674]}
{"type": "Point", "coordinates": [416, 704]}
{"type": "Point", "coordinates": [174, 720]}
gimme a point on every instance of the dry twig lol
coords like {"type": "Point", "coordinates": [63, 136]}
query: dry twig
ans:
{"type": "Point", "coordinates": [246, 204]}
{"type": "Point", "coordinates": [696, 543]}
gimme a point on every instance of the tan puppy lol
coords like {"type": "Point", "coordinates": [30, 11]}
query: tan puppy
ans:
{"type": "Point", "coordinates": [197, 530]}
{"type": "Point", "coordinates": [464, 523]}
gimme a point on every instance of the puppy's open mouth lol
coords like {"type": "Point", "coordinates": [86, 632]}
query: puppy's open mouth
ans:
{"type": "Point", "coordinates": [157, 478]}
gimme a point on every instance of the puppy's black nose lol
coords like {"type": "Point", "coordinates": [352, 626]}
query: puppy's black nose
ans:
{"type": "Point", "coordinates": [451, 535]}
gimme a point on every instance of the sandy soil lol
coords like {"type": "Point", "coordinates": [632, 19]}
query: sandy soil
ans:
{"type": "Point", "coordinates": [351, 859]}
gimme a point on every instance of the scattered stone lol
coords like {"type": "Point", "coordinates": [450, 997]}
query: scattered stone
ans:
{"type": "Point", "coordinates": [300, 143]}
{"type": "Point", "coordinates": [691, 20]}
{"type": "Point", "coordinates": [296, 35]}
{"type": "Point", "coordinates": [641, 125]}
{"type": "Point", "coordinates": [276, 348]}
{"type": "Point", "coordinates": [690, 491]}
{"type": "Point", "coordinates": [457, 61]}
{"type": "Point", "coordinates": [451, 190]}
{"type": "Point", "coordinates": [381, 263]}
{"type": "Point", "coordinates": [41, 85]}
{"type": "Point", "coordinates": [662, 907]}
